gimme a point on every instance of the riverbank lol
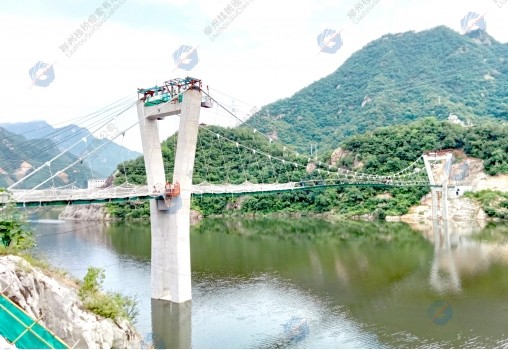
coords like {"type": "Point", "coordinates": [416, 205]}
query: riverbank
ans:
{"type": "Point", "coordinates": [53, 299]}
{"type": "Point", "coordinates": [99, 212]}
{"type": "Point", "coordinates": [460, 209]}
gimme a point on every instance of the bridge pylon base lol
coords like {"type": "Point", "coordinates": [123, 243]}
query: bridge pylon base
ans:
{"type": "Point", "coordinates": [170, 225]}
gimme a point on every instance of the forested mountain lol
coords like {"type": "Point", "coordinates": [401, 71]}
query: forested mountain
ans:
{"type": "Point", "coordinates": [389, 149]}
{"type": "Point", "coordinates": [102, 164]}
{"type": "Point", "coordinates": [220, 158]}
{"type": "Point", "coordinates": [385, 106]}
{"type": "Point", "coordinates": [19, 157]}
{"type": "Point", "coordinates": [396, 79]}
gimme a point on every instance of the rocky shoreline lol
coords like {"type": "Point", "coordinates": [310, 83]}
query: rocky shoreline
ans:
{"type": "Point", "coordinates": [55, 301]}
{"type": "Point", "coordinates": [98, 212]}
{"type": "Point", "coordinates": [86, 212]}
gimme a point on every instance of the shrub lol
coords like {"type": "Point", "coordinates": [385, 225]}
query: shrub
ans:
{"type": "Point", "coordinates": [494, 203]}
{"type": "Point", "coordinates": [379, 214]}
{"type": "Point", "coordinates": [110, 305]}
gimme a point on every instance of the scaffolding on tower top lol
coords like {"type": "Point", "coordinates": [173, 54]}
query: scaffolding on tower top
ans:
{"type": "Point", "coordinates": [170, 90]}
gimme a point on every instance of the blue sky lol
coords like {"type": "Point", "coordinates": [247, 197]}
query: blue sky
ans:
{"type": "Point", "coordinates": [268, 51]}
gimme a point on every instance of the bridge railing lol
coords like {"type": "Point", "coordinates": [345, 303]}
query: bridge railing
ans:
{"type": "Point", "coordinates": [241, 188]}
{"type": "Point", "coordinates": [54, 194]}
{"type": "Point", "coordinates": [132, 191]}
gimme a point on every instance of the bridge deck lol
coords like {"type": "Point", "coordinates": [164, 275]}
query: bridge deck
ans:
{"type": "Point", "coordinates": [55, 196]}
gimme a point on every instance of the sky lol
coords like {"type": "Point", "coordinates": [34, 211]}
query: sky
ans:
{"type": "Point", "coordinates": [267, 49]}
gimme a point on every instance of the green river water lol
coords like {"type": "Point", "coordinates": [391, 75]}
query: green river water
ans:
{"type": "Point", "coordinates": [306, 283]}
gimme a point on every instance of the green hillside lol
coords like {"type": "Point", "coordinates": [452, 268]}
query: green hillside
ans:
{"type": "Point", "coordinates": [396, 79]}
{"type": "Point", "coordinates": [220, 160]}
{"type": "Point", "coordinates": [383, 151]}
{"type": "Point", "coordinates": [17, 160]}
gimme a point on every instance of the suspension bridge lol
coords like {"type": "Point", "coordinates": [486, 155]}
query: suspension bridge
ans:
{"type": "Point", "coordinates": [122, 193]}
{"type": "Point", "coordinates": [170, 202]}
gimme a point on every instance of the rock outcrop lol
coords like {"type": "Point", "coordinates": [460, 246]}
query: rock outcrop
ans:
{"type": "Point", "coordinates": [97, 212]}
{"type": "Point", "coordinates": [459, 209]}
{"type": "Point", "coordinates": [88, 212]}
{"type": "Point", "coordinates": [60, 308]}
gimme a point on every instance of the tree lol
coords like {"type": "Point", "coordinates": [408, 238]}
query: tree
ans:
{"type": "Point", "coordinates": [14, 233]}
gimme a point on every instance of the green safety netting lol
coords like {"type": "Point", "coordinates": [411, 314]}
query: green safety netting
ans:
{"type": "Point", "coordinates": [21, 330]}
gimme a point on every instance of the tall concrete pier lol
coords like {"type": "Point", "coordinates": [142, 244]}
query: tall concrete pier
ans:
{"type": "Point", "coordinates": [170, 219]}
{"type": "Point", "coordinates": [438, 167]}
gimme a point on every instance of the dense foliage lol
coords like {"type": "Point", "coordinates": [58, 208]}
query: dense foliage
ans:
{"type": "Point", "coordinates": [396, 79]}
{"type": "Point", "coordinates": [219, 160]}
{"type": "Point", "coordinates": [221, 157]}
{"type": "Point", "coordinates": [490, 143]}
{"type": "Point", "coordinates": [391, 148]}
{"type": "Point", "coordinates": [15, 236]}
{"type": "Point", "coordinates": [383, 151]}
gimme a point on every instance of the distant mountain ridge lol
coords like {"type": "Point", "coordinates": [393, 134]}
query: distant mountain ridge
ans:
{"type": "Point", "coordinates": [17, 159]}
{"type": "Point", "coordinates": [393, 80]}
{"type": "Point", "coordinates": [100, 165]}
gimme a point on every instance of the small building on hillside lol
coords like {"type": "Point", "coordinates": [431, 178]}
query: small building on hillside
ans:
{"type": "Point", "coordinates": [96, 183]}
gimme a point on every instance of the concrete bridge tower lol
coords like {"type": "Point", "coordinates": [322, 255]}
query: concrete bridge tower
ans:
{"type": "Point", "coordinates": [170, 219]}
{"type": "Point", "coordinates": [438, 166]}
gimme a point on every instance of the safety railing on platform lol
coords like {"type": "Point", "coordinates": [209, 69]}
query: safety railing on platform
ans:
{"type": "Point", "coordinates": [22, 331]}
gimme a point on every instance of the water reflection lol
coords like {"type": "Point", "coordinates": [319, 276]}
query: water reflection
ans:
{"type": "Point", "coordinates": [444, 276]}
{"type": "Point", "coordinates": [355, 284]}
{"type": "Point", "coordinates": [246, 312]}
{"type": "Point", "coordinates": [460, 254]}
{"type": "Point", "coordinates": [171, 325]}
